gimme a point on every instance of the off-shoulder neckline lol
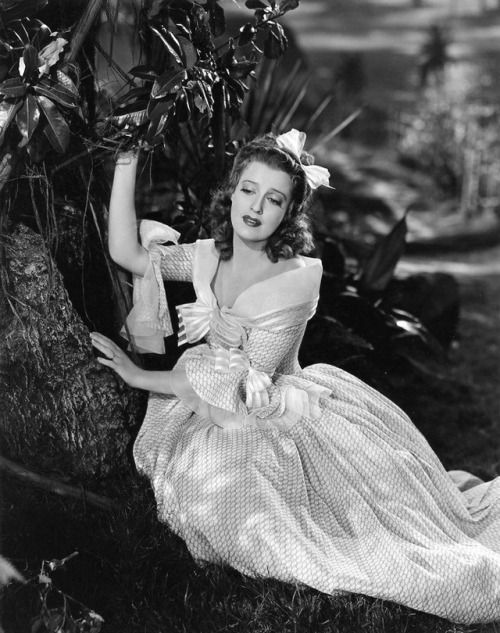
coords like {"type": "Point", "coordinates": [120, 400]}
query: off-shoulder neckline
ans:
{"type": "Point", "coordinates": [307, 263]}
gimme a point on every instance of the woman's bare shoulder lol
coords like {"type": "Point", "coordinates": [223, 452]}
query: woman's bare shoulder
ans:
{"type": "Point", "coordinates": [299, 261]}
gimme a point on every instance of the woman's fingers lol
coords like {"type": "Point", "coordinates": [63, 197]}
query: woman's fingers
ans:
{"type": "Point", "coordinates": [102, 347]}
{"type": "Point", "coordinates": [116, 359]}
{"type": "Point", "coordinates": [105, 345]}
{"type": "Point", "coordinates": [105, 361]}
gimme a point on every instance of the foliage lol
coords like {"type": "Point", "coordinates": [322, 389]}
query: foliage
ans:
{"type": "Point", "coordinates": [48, 178]}
{"type": "Point", "coordinates": [188, 97]}
{"type": "Point", "coordinates": [454, 139]}
{"type": "Point", "coordinates": [275, 98]}
{"type": "Point", "coordinates": [59, 612]}
{"type": "Point", "coordinates": [141, 578]}
{"type": "Point", "coordinates": [190, 76]}
{"type": "Point", "coordinates": [38, 96]}
{"type": "Point", "coordinates": [355, 296]}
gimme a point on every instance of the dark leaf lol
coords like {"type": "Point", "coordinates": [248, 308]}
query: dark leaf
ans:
{"type": "Point", "coordinates": [56, 129]}
{"type": "Point", "coordinates": [260, 14]}
{"type": "Point", "coordinates": [184, 30]}
{"type": "Point", "coordinates": [42, 37]}
{"type": "Point", "coordinates": [15, 10]}
{"type": "Point", "coordinates": [168, 82]}
{"type": "Point", "coordinates": [170, 42]}
{"type": "Point", "coordinates": [27, 119]}
{"type": "Point", "coordinates": [248, 33]}
{"type": "Point", "coordinates": [143, 72]}
{"type": "Point", "coordinates": [201, 103]}
{"type": "Point", "coordinates": [159, 109]}
{"type": "Point", "coordinates": [189, 54]}
{"type": "Point", "coordinates": [218, 125]}
{"type": "Point", "coordinates": [360, 315]}
{"type": "Point", "coordinates": [276, 42]}
{"type": "Point", "coordinates": [152, 137]}
{"type": "Point", "coordinates": [13, 88]}
{"type": "Point", "coordinates": [241, 70]}
{"type": "Point", "coordinates": [179, 11]}
{"type": "Point", "coordinates": [288, 5]}
{"type": "Point", "coordinates": [226, 60]}
{"type": "Point", "coordinates": [30, 57]}
{"type": "Point", "coordinates": [202, 98]}
{"type": "Point", "coordinates": [7, 113]}
{"type": "Point", "coordinates": [19, 33]}
{"type": "Point", "coordinates": [136, 118]}
{"type": "Point", "coordinates": [56, 92]}
{"type": "Point", "coordinates": [182, 108]}
{"type": "Point", "coordinates": [379, 269]}
{"type": "Point", "coordinates": [217, 18]}
{"type": "Point", "coordinates": [256, 4]}
{"type": "Point", "coordinates": [140, 94]}
{"type": "Point", "coordinates": [236, 86]}
{"type": "Point", "coordinates": [201, 30]}
{"type": "Point", "coordinates": [67, 82]}
{"type": "Point", "coordinates": [38, 147]}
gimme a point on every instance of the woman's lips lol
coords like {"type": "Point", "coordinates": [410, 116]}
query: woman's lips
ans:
{"type": "Point", "coordinates": [249, 221]}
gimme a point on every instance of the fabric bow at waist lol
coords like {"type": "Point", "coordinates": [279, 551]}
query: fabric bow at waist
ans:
{"type": "Point", "coordinates": [257, 382]}
{"type": "Point", "coordinates": [198, 318]}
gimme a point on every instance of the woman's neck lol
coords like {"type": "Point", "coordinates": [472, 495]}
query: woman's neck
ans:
{"type": "Point", "coordinates": [248, 253]}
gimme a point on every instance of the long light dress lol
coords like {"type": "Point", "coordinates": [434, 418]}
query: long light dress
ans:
{"type": "Point", "coordinates": [304, 475]}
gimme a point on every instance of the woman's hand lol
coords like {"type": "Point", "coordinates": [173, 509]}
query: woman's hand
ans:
{"type": "Point", "coordinates": [117, 359]}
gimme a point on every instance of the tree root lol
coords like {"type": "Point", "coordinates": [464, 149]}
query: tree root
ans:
{"type": "Point", "coordinates": [59, 488]}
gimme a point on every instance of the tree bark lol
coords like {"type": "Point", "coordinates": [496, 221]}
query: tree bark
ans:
{"type": "Point", "coordinates": [60, 410]}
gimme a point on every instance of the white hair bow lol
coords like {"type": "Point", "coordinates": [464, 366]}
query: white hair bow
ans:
{"type": "Point", "coordinates": [294, 142]}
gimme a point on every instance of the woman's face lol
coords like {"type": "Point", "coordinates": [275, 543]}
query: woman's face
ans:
{"type": "Point", "coordinates": [259, 202]}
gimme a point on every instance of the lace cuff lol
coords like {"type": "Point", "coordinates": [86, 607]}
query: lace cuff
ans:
{"type": "Point", "coordinates": [148, 323]}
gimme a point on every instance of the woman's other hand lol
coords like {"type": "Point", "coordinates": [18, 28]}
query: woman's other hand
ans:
{"type": "Point", "coordinates": [117, 359]}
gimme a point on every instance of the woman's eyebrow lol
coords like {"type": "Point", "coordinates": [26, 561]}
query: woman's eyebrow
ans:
{"type": "Point", "coordinates": [271, 189]}
{"type": "Point", "coordinates": [278, 191]}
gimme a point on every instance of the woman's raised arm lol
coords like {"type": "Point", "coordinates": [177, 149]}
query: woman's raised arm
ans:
{"type": "Point", "coordinates": [123, 242]}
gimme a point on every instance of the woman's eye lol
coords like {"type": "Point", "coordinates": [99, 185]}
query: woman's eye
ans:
{"type": "Point", "coordinates": [275, 201]}
{"type": "Point", "coordinates": [245, 190]}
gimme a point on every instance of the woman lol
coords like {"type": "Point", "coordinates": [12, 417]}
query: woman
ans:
{"type": "Point", "coordinates": [307, 476]}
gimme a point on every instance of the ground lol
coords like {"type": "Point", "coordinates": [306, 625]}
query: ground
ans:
{"type": "Point", "coordinates": [475, 359]}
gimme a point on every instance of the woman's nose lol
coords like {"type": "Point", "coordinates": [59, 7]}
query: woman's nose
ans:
{"type": "Point", "coordinates": [258, 206]}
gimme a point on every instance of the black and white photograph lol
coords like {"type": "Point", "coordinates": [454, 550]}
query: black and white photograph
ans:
{"type": "Point", "coordinates": [249, 316]}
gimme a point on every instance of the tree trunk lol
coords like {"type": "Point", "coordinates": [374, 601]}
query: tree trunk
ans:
{"type": "Point", "coordinates": [60, 410]}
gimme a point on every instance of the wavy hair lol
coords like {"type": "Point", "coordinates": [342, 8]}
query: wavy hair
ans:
{"type": "Point", "coordinates": [293, 235]}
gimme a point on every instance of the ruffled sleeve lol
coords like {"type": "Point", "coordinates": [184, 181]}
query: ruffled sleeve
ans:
{"type": "Point", "coordinates": [149, 322]}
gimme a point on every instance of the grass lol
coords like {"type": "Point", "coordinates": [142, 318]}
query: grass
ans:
{"type": "Point", "coordinates": [139, 576]}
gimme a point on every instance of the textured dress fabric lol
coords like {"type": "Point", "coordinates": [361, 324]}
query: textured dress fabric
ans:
{"type": "Point", "coordinates": [307, 475]}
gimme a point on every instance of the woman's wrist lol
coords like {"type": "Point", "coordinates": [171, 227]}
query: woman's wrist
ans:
{"type": "Point", "coordinates": [140, 380]}
{"type": "Point", "coordinates": [128, 157]}
{"type": "Point", "coordinates": [158, 381]}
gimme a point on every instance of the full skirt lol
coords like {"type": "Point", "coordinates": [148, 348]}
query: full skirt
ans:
{"type": "Point", "coordinates": [352, 501]}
